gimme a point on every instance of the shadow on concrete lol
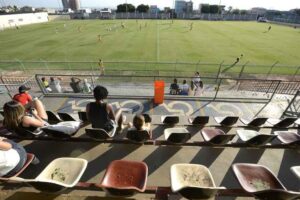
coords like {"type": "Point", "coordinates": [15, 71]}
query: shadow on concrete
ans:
{"type": "Point", "coordinates": [46, 151]}
{"type": "Point", "coordinates": [116, 152]}
{"type": "Point", "coordinates": [243, 156]}
{"type": "Point", "coordinates": [206, 156]}
{"type": "Point", "coordinates": [158, 157]}
{"type": "Point", "coordinates": [290, 158]}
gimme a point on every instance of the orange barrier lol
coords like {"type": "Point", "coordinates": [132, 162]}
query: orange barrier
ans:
{"type": "Point", "coordinates": [159, 90]}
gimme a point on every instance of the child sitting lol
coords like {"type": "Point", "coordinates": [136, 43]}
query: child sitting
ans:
{"type": "Point", "coordinates": [140, 124]}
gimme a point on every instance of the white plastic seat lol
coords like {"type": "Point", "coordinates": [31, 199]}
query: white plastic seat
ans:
{"type": "Point", "coordinates": [60, 174]}
{"type": "Point", "coordinates": [296, 171]}
{"type": "Point", "coordinates": [177, 135]}
{"type": "Point", "coordinates": [193, 181]}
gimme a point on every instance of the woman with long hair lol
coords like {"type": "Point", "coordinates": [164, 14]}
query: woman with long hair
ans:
{"type": "Point", "coordinates": [16, 118]}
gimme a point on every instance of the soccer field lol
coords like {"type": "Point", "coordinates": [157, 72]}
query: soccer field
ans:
{"type": "Point", "coordinates": [153, 40]}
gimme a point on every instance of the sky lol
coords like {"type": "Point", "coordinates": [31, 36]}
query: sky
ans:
{"type": "Point", "coordinates": [241, 4]}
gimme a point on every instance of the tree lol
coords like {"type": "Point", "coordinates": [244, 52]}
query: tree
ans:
{"type": "Point", "coordinates": [243, 12]}
{"type": "Point", "coordinates": [297, 11]}
{"type": "Point", "coordinates": [125, 8]}
{"type": "Point", "coordinates": [205, 8]}
{"type": "Point", "coordinates": [142, 8]}
{"type": "Point", "coordinates": [229, 9]}
{"type": "Point", "coordinates": [235, 11]}
{"type": "Point", "coordinates": [213, 9]}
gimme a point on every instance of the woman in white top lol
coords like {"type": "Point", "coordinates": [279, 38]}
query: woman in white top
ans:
{"type": "Point", "coordinates": [12, 157]}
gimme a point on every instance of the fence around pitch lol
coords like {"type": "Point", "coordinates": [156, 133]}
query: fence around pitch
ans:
{"type": "Point", "coordinates": [143, 87]}
{"type": "Point", "coordinates": [136, 68]}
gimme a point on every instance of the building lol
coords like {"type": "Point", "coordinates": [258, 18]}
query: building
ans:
{"type": "Point", "coordinates": [106, 13]}
{"type": "Point", "coordinates": [189, 7]}
{"type": "Point", "coordinates": [74, 4]}
{"type": "Point", "coordinates": [65, 4]}
{"type": "Point", "coordinates": [154, 9]}
{"type": "Point", "coordinates": [180, 6]}
{"type": "Point", "coordinates": [183, 6]}
{"type": "Point", "coordinates": [258, 11]}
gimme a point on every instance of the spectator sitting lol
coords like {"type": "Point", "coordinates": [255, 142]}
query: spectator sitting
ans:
{"type": "Point", "coordinates": [87, 88]}
{"type": "Point", "coordinates": [16, 119]}
{"type": "Point", "coordinates": [75, 85]}
{"type": "Point", "coordinates": [140, 124]}
{"type": "Point", "coordinates": [174, 88]}
{"type": "Point", "coordinates": [46, 84]}
{"type": "Point", "coordinates": [185, 88]}
{"type": "Point", "coordinates": [12, 157]}
{"type": "Point", "coordinates": [23, 97]}
{"type": "Point", "coordinates": [55, 85]}
{"type": "Point", "coordinates": [101, 114]}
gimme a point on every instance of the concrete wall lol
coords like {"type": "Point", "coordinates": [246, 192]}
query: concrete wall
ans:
{"type": "Point", "coordinates": [58, 17]}
{"type": "Point", "coordinates": [11, 21]}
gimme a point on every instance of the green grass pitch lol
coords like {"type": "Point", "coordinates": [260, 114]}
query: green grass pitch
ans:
{"type": "Point", "coordinates": [153, 40]}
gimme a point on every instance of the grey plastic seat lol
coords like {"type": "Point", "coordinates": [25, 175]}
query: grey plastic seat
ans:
{"type": "Point", "coordinates": [199, 120]}
{"type": "Point", "coordinates": [254, 138]}
{"type": "Point", "coordinates": [256, 122]}
{"type": "Point", "coordinates": [261, 182]}
{"type": "Point", "coordinates": [169, 119]}
{"type": "Point", "coordinates": [82, 116]}
{"type": "Point", "coordinates": [177, 135]}
{"type": "Point", "coordinates": [66, 117]}
{"type": "Point", "coordinates": [226, 121]}
{"type": "Point", "coordinates": [52, 117]}
{"type": "Point", "coordinates": [139, 136]}
{"type": "Point", "coordinates": [278, 123]}
{"type": "Point", "coordinates": [216, 136]}
{"type": "Point", "coordinates": [100, 134]}
{"type": "Point", "coordinates": [288, 137]}
{"type": "Point", "coordinates": [193, 181]}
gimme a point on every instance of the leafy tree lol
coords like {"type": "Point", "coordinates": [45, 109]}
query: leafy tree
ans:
{"type": "Point", "coordinates": [125, 8]}
{"type": "Point", "coordinates": [205, 8]}
{"type": "Point", "coordinates": [142, 8]}
{"type": "Point", "coordinates": [235, 11]}
{"type": "Point", "coordinates": [297, 11]}
{"type": "Point", "coordinates": [213, 9]}
{"type": "Point", "coordinates": [243, 12]}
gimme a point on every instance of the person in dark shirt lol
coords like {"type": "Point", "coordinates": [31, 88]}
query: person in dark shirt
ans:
{"type": "Point", "coordinates": [101, 114]}
{"type": "Point", "coordinates": [174, 88]}
{"type": "Point", "coordinates": [75, 85]}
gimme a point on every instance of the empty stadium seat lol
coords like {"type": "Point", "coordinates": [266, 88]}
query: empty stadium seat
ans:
{"type": "Point", "coordinates": [82, 116]}
{"type": "Point", "coordinates": [138, 135]}
{"type": "Point", "coordinates": [261, 182]}
{"type": "Point", "coordinates": [168, 119]}
{"type": "Point", "coordinates": [30, 158]}
{"type": "Point", "coordinates": [278, 123]}
{"type": "Point", "coordinates": [226, 121]}
{"type": "Point", "coordinates": [66, 117]}
{"type": "Point", "coordinates": [52, 117]}
{"type": "Point", "coordinates": [296, 171]}
{"type": "Point", "coordinates": [256, 122]}
{"type": "Point", "coordinates": [100, 134]}
{"type": "Point", "coordinates": [60, 174]}
{"type": "Point", "coordinates": [288, 137]}
{"type": "Point", "coordinates": [125, 178]}
{"type": "Point", "coordinates": [177, 135]}
{"type": "Point", "coordinates": [193, 181]}
{"type": "Point", "coordinates": [216, 136]}
{"type": "Point", "coordinates": [254, 138]}
{"type": "Point", "coordinates": [199, 120]}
